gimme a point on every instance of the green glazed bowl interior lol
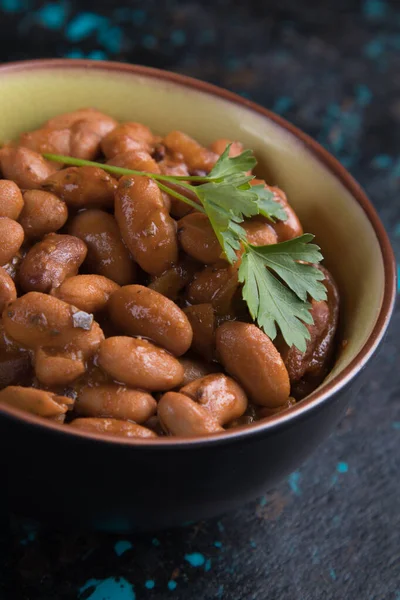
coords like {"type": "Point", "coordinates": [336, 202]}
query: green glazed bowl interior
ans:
{"type": "Point", "coordinates": [328, 201]}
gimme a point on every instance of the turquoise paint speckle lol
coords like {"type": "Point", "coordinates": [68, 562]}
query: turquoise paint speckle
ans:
{"type": "Point", "coordinates": [396, 425]}
{"type": "Point", "coordinates": [253, 544]}
{"type": "Point", "coordinates": [172, 585]}
{"type": "Point", "coordinates": [138, 16]}
{"type": "Point", "coordinates": [53, 16]}
{"type": "Point", "coordinates": [207, 36]}
{"type": "Point", "coordinates": [75, 53]}
{"type": "Point", "coordinates": [84, 25]}
{"type": "Point", "coordinates": [29, 538]}
{"type": "Point", "coordinates": [122, 546]}
{"type": "Point", "coordinates": [178, 37]}
{"type": "Point", "coordinates": [332, 574]}
{"type": "Point", "coordinates": [12, 6]}
{"type": "Point", "coordinates": [397, 230]}
{"type": "Point", "coordinates": [207, 565]}
{"type": "Point", "coordinates": [263, 501]}
{"type": "Point", "coordinates": [149, 584]}
{"type": "Point", "coordinates": [220, 591]}
{"type": "Point", "coordinates": [374, 9]}
{"type": "Point", "coordinates": [293, 481]}
{"type": "Point", "coordinates": [218, 544]}
{"type": "Point", "coordinates": [363, 94]}
{"type": "Point", "coordinates": [111, 38]}
{"type": "Point", "coordinates": [374, 49]}
{"type": "Point", "coordinates": [97, 55]}
{"type": "Point", "coordinates": [342, 467]}
{"type": "Point", "coordinates": [109, 589]}
{"type": "Point", "coordinates": [196, 559]}
{"type": "Point", "coordinates": [382, 161]}
{"type": "Point", "coordinates": [149, 41]}
{"type": "Point", "coordinates": [282, 104]}
{"type": "Point", "coordinates": [156, 542]}
{"type": "Point", "coordinates": [220, 526]}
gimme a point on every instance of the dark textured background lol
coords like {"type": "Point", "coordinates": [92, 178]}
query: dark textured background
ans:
{"type": "Point", "coordinates": [332, 529]}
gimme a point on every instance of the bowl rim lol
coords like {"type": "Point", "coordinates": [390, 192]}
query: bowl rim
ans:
{"type": "Point", "coordinates": [338, 382]}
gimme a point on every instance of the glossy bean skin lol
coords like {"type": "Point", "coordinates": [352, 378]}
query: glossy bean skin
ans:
{"type": "Point", "coordinates": [195, 368]}
{"type": "Point", "coordinates": [14, 264]}
{"type": "Point", "coordinates": [249, 355]}
{"type": "Point", "coordinates": [36, 402]}
{"type": "Point", "coordinates": [67, 120]}
{"type": "Point", "coordinates": [139, 364]}
{"type": "Point", "coordinates": [202, 320]}
{"type": "Point", "coordinates": [115, 401]}
{"type": "Point", "coordinates": [194, 154]}
{"type": "Point", "coordinates": [125, 137]}
{"type": "Point", "coordinates": [260, 233]}
{"type": "Point", "coordinates": [86, 136]}
{"type": "Point", "coordinates": [107, 255]}
{"type": "Point", "coordinates": [8, 292]}
{"type": "Point", "coordinates": [11, 201]}
{"type": "Point", "coordinates": [138, 160]}
{"type": "Point", "coordinates": [11, 238]}
{"type": "Point", "coordinates": [112, 427]}
{"type": "Point", "coordinates": [43, 213]}
{"type": "Point", "coordinates": [219, 394]}
{"type": "Point", "coordinates": [15, 362]}
{"type": "Point", "coordinates": [87, 292]}
{"type": "Point", "coordinates": [82, 187]}
{"type": "Point", "coordinates": [285, 230]}
{"type": "Point", "coordinates": [145, 225]}
{"type": "Point", "coordinates": [137, 310]}
{"type": "Point", "coordinates": [220, 145]}
{"type": "Point", "coordinates": [179, 415]}
{"type": "Point", "coordinates": [25, 167]}
{"type": "Point", "coordinates": [174, 166]}
{"type": "Point", "coordinates": [38, 320]}
{"type": "Point", "coordinates": [197, 238]}
{"type": "Point", "coordinates": [173, 280]}
{"type": "Point", "coordinates": [53, 141]}
{"type": "Point", "coordinates": [217, 284]}
{"type": "Point", "coordinates": [54, 370]}
{"type": "Point", "coordinates": [50, 261]}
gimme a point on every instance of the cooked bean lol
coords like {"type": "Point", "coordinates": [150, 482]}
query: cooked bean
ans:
{"type": "Point", "coordinates": [285, 230]}
{"type": "Point", "coordinates": [15, 362]}
{"type": "Point", "coordinates": [37, 402]}
{"type": "Point", "coordinates": [197, 238]}
{"type": "Point", "coordinates": [179, 415]}
{"type": "Point", "coordinates": [219, 394]}
{"type": "Point", "coordinates": [115, 401]}
{"type": "Point", "coordinates": [87, 292]}
{"type": "Point", "coordinates": [173, 166]}
{"type": "Point", "coordinates": [216, 284]}
{"type": "Point", "coordinates": [25, 167]}
{"type": "Point", "coordinates": [57, 369]}
{"type": "Point", "coordinates": [38, 320]}
{"type": "Point", "coordinates": [86, 136]}
{"type": "Point", "coordinates": [138, 160]}
{"type": "Point", "coordinates": [249, 355]}
{"type": "Point", "coordinates": [195, 369]}
{"type": "Point", "coordinates": [8, 293]}
{"type": "Point", "coordinates": [13, 265]}
{"type": "Point", "coordinates": [194, 154]}
{"type": "Point", "coordinates": [112, 427]}
{"type": "Point", "coordinates": [42, 213]}
{"type": "Point", "coordinates": [82, 187]}
{"type": "Point", "coordinates": [137, 310]}
{"type": "Point", "coordinates": [265, 412]}
{"type": "Point", "coordinates": [11, 238]}
{"type": "Point", "coordinates": [11, 202]}
{"type": "Point", "coordinates": [54, 141]}
{"type": "Point", "coordinates": [125, 137]}
{"type": "Point", "coordinates": [220, 145]}
{"type": "Point", "coordinates": [107, 254]}
{"type": "Point", "coordinates": [202, 320]}
{"type": "Point", "coordinates": [173, 280]}
{"type": "Point", "coordinates": [50, 261]}
{"type": "Point", "coordinates": [66, 120]}
{"type": "Point", "coordinates": [260, 233]}
{"type": "Point", "coordinates": [139, 363]}
{"type": "Point", "coordinates": [145, 225]}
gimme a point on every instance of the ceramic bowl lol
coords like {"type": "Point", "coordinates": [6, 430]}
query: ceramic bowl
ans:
{"type": "Point", "coordinates": [56, 474]}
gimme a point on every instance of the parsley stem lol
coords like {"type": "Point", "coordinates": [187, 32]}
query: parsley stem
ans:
{"type": "Point", "coordinates": [180, 197]}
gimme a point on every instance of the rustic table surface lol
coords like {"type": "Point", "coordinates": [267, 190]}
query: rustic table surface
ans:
{"type": "Point", "coordinates": [331, 529]}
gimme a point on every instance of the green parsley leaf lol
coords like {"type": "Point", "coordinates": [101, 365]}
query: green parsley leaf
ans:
{"type": "Point", "coordinates": [272, 303]}
{"type": "Point", "coordinates": [267, 206]}
{"type": "Point", "coordinates": [226, 165]}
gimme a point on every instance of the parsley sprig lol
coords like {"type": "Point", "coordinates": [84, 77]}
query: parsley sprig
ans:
{"type": "Point", "coordinates": [277, 279]}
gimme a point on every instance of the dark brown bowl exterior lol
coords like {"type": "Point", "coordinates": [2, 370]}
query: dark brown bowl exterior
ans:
{"type": "Point", "coordinates": [84, 480]}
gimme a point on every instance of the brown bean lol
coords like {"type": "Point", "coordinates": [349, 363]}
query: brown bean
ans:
{"type": "Point", "coordinates": [11, 202]}
{"type": "Point", "coordinates": [172, 166]}
{"type": "Point", "coordinates": [139, 363]}
{"type": "Point", "coordinates": [138, 160]}
{"type": "Point", "coordinates": [37, 402]}
{"type": "Point", "coordinates": [82, 187]}
{"type": "Point", "coordinates": [146, 227]}
{"type": "Point", "coordinates": [202, 319]}
{"type": "Point", "coordinates": [259, 233]}
{"type": "Point", "coordinates": [57, 369]}
{"type": "Point", "coordinates": [249, 355]}
{"type": "Point", "coordinates": [217, 284]}
{"type": "Point", "coordinates": [219, 394]}
{"type": "Point", "coordinates": [194, 154]}
{"type": "Point", "coordinates": [112, 427]}
{"type": "Point", "coordinates": [137, 310]}
{"type": "Point", "coordinates": [115, 401]}
{"type": "Point", "coordinates": [86, 136]}
{"type": "Point", "coordinates": [8, 293]}
{"type": "Point", "coordinates": [13, 265]}
{"type": "Point", "coordinates": [285, 230]}
{"type": "Point", "coordinates": [50, 261]}
{"type": "Point", "coordinates": [87, 292]}
{"type": "Point", "coordinates": [15, 362]}
{"type": "Point", "coordinates": [179, 415]}
{"type": "Point", "coordinates": [66, 120]}
{"type": "Point", "coordinates": [53, 141]}
{"type": "Point", "coordinates": [25, 167]}
{"type": "Point", "coordinates": [265, 412]}
{"type": "Point", "coordinates": [125, 137]}
{"type": "Point", "coordinates": [11, 238]}
{"type": "Point", "coordinates": [107, 254]}
{"type": "Point", "coordinates": [173, 280]}
{"type": "Point", "coordinates": [39, 320]}
{"type": "Point", "coordinates": [195, 368]}
{"type": "Point", "coordinates": [197, 238]}
{"type": "Point", "coordinates": [220, 145]}
{"type": "Point", "coordinates": [42, 213]}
